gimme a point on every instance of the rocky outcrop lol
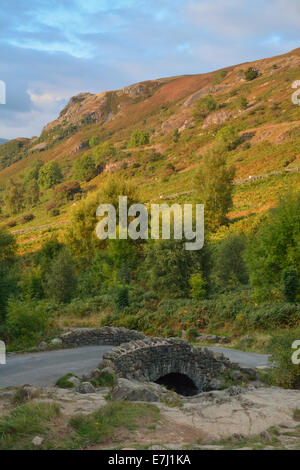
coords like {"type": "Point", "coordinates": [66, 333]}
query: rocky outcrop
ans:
{"type": "Point", "coordinates": [100, 336]}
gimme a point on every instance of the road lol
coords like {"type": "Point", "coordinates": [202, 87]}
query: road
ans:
{"type": "Point", "coordinates": [44, 368]}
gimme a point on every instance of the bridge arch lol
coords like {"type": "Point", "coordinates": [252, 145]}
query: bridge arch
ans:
{"type": "Point", "coordinates": [155, 359]}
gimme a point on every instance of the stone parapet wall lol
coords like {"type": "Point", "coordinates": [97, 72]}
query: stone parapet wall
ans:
{"type": "Point", "coordinates": [107, 336]}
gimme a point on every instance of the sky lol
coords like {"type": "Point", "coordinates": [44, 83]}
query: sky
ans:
{"type": "Point", "coordinates": [51, 50]}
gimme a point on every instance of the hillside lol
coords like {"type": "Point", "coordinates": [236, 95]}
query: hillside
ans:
{"type": "Point", "coordinates": [3, 141]}
{"type": "Point", "coordinates": [261, 110]}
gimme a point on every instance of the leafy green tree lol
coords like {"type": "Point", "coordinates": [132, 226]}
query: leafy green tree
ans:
{"type": "Point", "coordinates": [14, 197]}
{"type": "Point", "coordinates": [32, 193]}
{"type": "Point", "coordinates": [84, 168]}
{"type": "Point", "coordinates": [81, 233]}
{"type": "Point", "coordinates": [104, 152]}
{"type": "Point", "coordinates": [8, 246]}
{"type": "Point", "coordinates": [61, 281]}
{"type": "Point", "coordinates": [169, 267]}
{"type": "Point", "coordinates": [50, 175]}
{"type": "Point", "coordinates": [139, 138]}
{"type": "Point", "coordinates": [275, 247]}
{"type": "Point", "coordinates": [214, 186]}
{"type": "Point", "coordinates": [290, 284]}
{"type": "Point", "coordinates": [227, 139]}
{"type": "Point", "coordinates": [33, 173]}
{"type": "Point", "coordinates": [230, 267]}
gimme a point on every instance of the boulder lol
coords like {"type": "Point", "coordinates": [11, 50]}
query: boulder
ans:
{"type": "Point", "coordinates": [134, 391]}
{"type": "Point", "coordinates": [56, 342]}
{"type": "Point", "coordinates": [37, 441]}
{"type": "Point", "coordinates": [85, 387]}
{"type": "Point", "coordinates": [74, 380]}
{"type": "Point", "coordinates": [28, 392]}
{"type": "Point", "coordinates": [43, 345]}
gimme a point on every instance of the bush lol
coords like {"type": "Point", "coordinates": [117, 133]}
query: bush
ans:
{"type": "Point", "coordinates": [69, 189]}
{"type": "Point", "coordinates": [198, 286]}
{"type": "Point", "coordinates": [285, 373]}
{"type": "Point", "coordinates": [139, 138]}
{"type": "Point", "coordinates": [84, 168]}
{"type": "Point", "coordinates": [251, 73]}
{"type": "Point", "coordinates": [227, 139]}
{"type": "Point", "coordinates": [27, 218]}
{"type": "Point", "coordinates": [94, 141]}
{"type": "Point", "coordinates": [27, 321]}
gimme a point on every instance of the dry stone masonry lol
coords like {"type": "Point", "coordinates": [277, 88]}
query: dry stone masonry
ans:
{"type": "Point", "coordinates": [109, 336]}
{"type": "Point", "coordinates": [150, 359]}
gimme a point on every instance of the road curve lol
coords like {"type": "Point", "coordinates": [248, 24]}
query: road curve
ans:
{"type": "Point", "coordinates": [44, 368]}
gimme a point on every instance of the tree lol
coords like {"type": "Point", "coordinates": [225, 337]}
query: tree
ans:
{"type": "Point", "coordinates": [275, 247]}
{"type": "Point", "coordinates": [103, 152]}
{"type": "Point", "coordinates": [50, 175]}
{"type": "Point", "coordinates": [251, 73]}
{"type": "Point", "coordinates": [214, 186]}
{"type": "Point", "coordinates": [230, 267]}
{"type": "Point", "coordinates": [227, 139]}
{"type": "Point", "coordinates": [84, 168]}
{"type": "Point", "coordinates": [81, 233]}
{"type": "Point", "coordinates": [14, 197]}
{"type": "Point", "coordinates": [138, 138]}
{"type": "Point", "coordinates": [32, 193]}
{"type": "Point", "coordinates": [290, 284]}
{"type": "Point", "coordinates": [61, 281]}
{"type": "Point", "coordinates": [8, 246]}
{"type": "Point", "coordinates": [33, 173]}
{"type": "Point", "coordinates": [169, 267]}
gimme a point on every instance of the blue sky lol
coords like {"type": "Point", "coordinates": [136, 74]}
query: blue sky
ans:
{"type": "Point", "coordinates": [51, 50]}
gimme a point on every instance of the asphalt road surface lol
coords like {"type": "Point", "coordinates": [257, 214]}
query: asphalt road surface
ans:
{"type": "Point", "coordinates": [45, 368]}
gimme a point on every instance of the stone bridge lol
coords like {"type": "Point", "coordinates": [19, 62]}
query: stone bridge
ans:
{"type": "Point", "coordinates": [169, 362]}
{"type": "Point", "coordinates": [172, 362]}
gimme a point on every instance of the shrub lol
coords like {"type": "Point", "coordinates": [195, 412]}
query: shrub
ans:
{"type": "Point", "coordinates": [139, 138]}
{"type": "Point", "coordinates": [27, 321]}
{"type": "Point", "coordinates": [121, 296]}
{"type": "Point", "coordinates": [64, 381]}
{"type": "Point", "coordinates": [192, 334]}
{"type": "Point", "coordinates": [227, 139]}
{"type": "Point", "coordinates": [84, 168]}
{"type": "Point", "coordinates": [251, 73]}
{"type": "Point", "coordinates": [198, 286]}
{"type": "Point", "coordinates": [27, 218]}
{"type": "Point", "coordinates": [285, 373]}
{"type": "Point", "coordinates": [69, 189]}
{"type": "Point", "coordinates": [94, 141]}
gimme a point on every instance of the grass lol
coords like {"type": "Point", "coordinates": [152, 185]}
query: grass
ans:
{"type": "Point", "coordinates": [102, 425]}
{"type": "Point", "coordinates": [63, 382]}
{"type": "Point", "coordinates": [20, 426]}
